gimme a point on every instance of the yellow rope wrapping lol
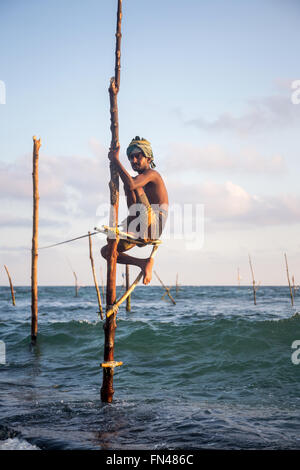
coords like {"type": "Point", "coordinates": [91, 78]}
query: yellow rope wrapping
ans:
{"type": "Point", "coordinates": [111, 364]}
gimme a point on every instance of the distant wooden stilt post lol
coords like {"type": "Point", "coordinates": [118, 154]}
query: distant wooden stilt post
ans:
{"type": "Point", "coordinates": [107, 390]}
{"type": "Point", "coordinates": [166, 288]}
{"type": "Point", "coordinates": [11, 287]}
{"type": "Point", "coordinates": [128, 300]}
{"type": "Point", "coordinates": [76, 284]}
{"type": "Point", "coordinates": [238, 277]}
{"type": "Point", "coordinates": [165, 293]}
{"type": "Point", "coordinates": [75, 277]}
{"type": "Point", "coordinates": [124, 281]}
{"type": "Point", "coordinates": [288, 277]}
{"type": "Point", "coordinates": [177, 285]}
{"type": "Point", "coordinates": [253, 281]}
{"type": "Point", "coordinates": [34, 253]}
{"type": "Point", "coordinates": [95, 278]}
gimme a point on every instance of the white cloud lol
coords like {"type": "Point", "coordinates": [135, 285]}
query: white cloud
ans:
{"type": "Point", "coordinates": [68, 182]}
{"type": "Point", "coordinates": [269, 113]}
{"type": "Point", "coordinates": [71, 189]}
{"type": "Point", "coordinates": [8, 220]}
{"type": "Point", "coordinates": [230, 204]}
{"type": "Point", "coordinates": [184, 156]}
{"type": "Point", "coordinates": [228, 200]}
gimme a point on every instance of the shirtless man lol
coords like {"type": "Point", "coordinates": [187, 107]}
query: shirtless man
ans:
{"type": "Point", "coordinates": [146, 189]}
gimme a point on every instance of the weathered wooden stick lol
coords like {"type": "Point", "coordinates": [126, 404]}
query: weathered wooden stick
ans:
{"type": "Point", "coordinates": [177, 285]}
{"type": "Point", "coordinates": [75, 277]}
{"type": "Point", "coordinates": [124, 282]}
{"type": "Point", "coordinates": [34, 253]}
{"type": "Point", "coordinates": [253, 281]}
{"type": "Point", "coordinates": [164, 294]}
{"type": "Point", "coordinates": [95, 277]}
{"type": "Point", "coordinates": [107, 390]}
{"type": "Point", "coordinates": [76, 284]}
{"type": "Point", "coordinates": [128, 300]}
{"type": "Point", "coordinates": [288, 277]}
{"type": "Point", "coordinates": [167, 289]}
{"type": "Point", "coordinates": [11, 287]}
{"type": "Point", "coordinates": [238, 277]}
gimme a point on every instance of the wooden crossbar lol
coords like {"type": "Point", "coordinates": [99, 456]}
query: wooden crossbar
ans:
{"type": "Point", "coordinates": [125, 236]}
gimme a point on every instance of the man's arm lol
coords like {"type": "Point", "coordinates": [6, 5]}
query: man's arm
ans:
{"type": "Point", "coordinates": [131, 183]}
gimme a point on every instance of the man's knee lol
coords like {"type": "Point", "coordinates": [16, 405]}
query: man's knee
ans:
{"type": "Point", "coordinates": [104, 251]}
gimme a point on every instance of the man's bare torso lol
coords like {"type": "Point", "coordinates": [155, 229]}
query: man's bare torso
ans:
{"type": "Point", "coordinates": [155, 189]}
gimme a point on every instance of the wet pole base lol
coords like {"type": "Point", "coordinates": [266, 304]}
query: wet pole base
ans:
{"type": "Point", "coordinates": [107, 391]}
{"type": "Point", "coordinates": [33, 340]}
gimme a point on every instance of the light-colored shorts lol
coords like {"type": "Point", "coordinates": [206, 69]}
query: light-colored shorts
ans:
{"type": "Point", "coordinates": [154, 222]}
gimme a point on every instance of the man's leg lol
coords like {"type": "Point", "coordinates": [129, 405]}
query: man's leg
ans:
{"type": "Point", "coordinates": [148, 218]}
{"type": "Point", "coordinates": [145, 264]}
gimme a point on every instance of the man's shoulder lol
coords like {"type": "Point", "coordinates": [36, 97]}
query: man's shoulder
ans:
{"type": "Point", "coordinates": [150, 171]}
{"type": "Point", "coordinates": [153, 174]}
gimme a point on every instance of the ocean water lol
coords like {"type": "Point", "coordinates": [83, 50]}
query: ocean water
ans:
{"type": "Point", "coordinates": [212, 372]}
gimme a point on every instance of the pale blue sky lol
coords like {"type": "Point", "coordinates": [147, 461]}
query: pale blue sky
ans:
{"type": "Point", "coordinates": [211, 79]}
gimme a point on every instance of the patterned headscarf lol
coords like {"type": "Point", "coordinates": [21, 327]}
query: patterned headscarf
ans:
{"type": "Point", "coordinates": [144, 146]}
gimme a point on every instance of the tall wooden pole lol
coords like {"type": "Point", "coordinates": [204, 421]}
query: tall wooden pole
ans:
{"type": "Point", "coordinates": [107, 390]}
{"type": "Point", "coordinates": [34, 253]}
{"type": "Point", "coordinates": [94, 276]}
{"type": "Point", "coordinates": [11, 287]}
{"type": "Point", "coordinates": [253, 281]}
{"type": "Point", "coordinates": [288, 277]}
{"type": "Point", "coordinates": [76, 283]}
{"type": "Point", "coordinates": [128, 300]}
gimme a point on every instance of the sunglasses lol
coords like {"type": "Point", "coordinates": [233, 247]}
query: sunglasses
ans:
{"type": "Point", "coordinates": [137, 155]}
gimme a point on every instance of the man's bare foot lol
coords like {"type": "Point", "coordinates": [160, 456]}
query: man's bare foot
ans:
{"type": "Point", "coordinates": [147, 270]}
